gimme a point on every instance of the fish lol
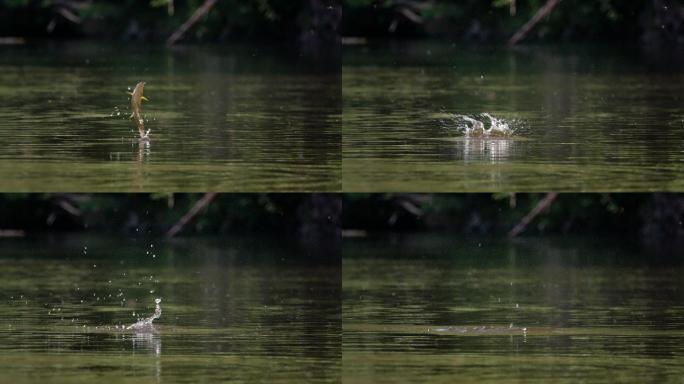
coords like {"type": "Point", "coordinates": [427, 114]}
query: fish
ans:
{"type": "Point", "coordinates": [137, 98]}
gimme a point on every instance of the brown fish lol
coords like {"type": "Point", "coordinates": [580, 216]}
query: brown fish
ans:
{"type": "Point", "coordinates": [136, 103]}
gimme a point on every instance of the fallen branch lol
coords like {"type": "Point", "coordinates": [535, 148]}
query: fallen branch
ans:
{"type": "Point", "coordinates": [199, 206]}
{"type": "Point", "coordinates": [70, 203]}
{"type": "Point", "coordinates": [543, 11]}
{"type": "Point", "coordinates": [199, 12]}
{"type": "Point", "coordinates": [67, 14]}
{"type": "Point", "coordinates": [541, 206]}
{"type": "Point", "coordinates": [69, 208]}
{"type": "Point", "coordinates": [409, 14]}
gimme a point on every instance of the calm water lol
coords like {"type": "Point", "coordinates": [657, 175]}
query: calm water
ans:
{"type": "Point", "coordinates": [228, 118]}
{"type": "Point", "coordinates": [586, 119]}
{"type": "Point", "coordinates": [234, 310]}
{"type": "Point", "coordinates": [595, 310]}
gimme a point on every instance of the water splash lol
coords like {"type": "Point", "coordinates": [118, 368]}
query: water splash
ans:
{"type": "Point", "coordinates": [483, 125]}
{"type": "Point", "coordinates": [145, 325]}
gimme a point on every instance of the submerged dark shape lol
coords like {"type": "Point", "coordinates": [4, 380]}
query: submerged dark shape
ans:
{"type": "Point", "coordinates": [136, 108]}
{"type": "Point", "coordinates": [145, 325]}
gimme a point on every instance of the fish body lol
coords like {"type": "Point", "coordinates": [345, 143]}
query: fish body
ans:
{"type": "Point", "coordinates": [137, 98]}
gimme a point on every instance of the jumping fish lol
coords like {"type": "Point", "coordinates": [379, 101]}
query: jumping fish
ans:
{"type": "Point", "coordinates": [136, 104]}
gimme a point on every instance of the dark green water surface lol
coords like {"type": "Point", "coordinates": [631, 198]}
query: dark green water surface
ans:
{"type": "Point", "coordinates": [592, 310]}
{"type": "Point", "coordinates": [233, 310]}
{"type": "Point", "coordinates": [226, 118]}
{"type": "Point", "coordinates": [596, 118]}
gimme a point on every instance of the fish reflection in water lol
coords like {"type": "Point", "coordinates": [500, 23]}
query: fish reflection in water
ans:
{"type": "Point", "coordinates": [147, 341]}
{"type": "Point", "coordinates": [144, 150]}
{"type": "Point", "coordinates": [146, 338]}
{"type": "Point", "coordinates": [477, 149]}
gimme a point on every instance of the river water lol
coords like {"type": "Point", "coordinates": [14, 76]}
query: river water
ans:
{"type": "Point", "coordinates": [592, 310]}
{"type": "Point", "coordinates": [231, 118]}
{"type": "Point", "coordinates": [236, 309]}
{"type": "Point", "coordinates": [587, 118]}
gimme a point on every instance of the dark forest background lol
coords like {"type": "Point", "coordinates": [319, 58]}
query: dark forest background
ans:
{"type": "Point", "coordinates": [310, 216]}
{"type": "Point", "coordinates": [654, 217]}
{"type": "Point", "coordinates": [652, 22]}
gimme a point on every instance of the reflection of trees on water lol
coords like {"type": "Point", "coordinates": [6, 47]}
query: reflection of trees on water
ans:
{"type": "Point", "coordinates": [579, 104]}
{"type": "Point", "coordinates": [262, 298]}
{"type": "Point", "coordinates": [248, 104]}
{"type": "Point", "coordinates": [555, 282]}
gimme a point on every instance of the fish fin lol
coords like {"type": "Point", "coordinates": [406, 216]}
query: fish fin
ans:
{"type": "Point", "coordinates": [132, 115]}
{"type": "Point", "coordinates": [130, 93]}
{"type": "Point", "coordinates": [144, 98]}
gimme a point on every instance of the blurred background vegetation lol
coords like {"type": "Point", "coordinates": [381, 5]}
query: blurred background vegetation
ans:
{"type": "Point", "coordinates": [310, 216]}
{"type": "Point", "coordinates": [654, 217]}
{"type": "Point", "coordinates": [649, 21]}
{"type": "Point", "coordinates": [657, 217]}
{"type": "Point", "coordinates": [157, 19]}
